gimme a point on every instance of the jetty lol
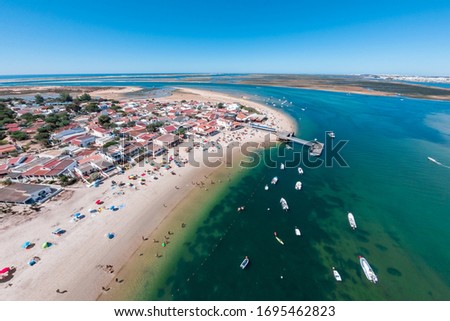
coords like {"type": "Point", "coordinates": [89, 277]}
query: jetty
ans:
{"type": "Point", "coordinates": [315, 147]}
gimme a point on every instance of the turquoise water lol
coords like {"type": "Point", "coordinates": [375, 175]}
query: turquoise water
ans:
{"type": "Point", "coordinates": [400, 201]}
{"type": "Point", "coordinates": [399, 198]}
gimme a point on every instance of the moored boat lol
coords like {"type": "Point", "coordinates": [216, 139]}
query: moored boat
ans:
{"type": "Point", "coordinates": [297, 231]}
{"type": "Point", "coordinates": [336, 274]}
{"type": "Point", "coordinates": [370, 274]}
{"type": "Point", "coordinates": [298, 185]}
{"type": "Point", "coordinates": [331, 134]}
{"type": "Point", "coordinates": [245, 262]}
{"type": "Point", "coordinates": [266, 187]}
{"type": "Point", "coordinates": [284, 204]}
{"type": "Point", "coordinates": [282, 166]}
{"type": "Point", "coordinates": [278, 239]}
{"type": "Point", "coordinates": [300, 170]}
{"type": "Point", "coordinates": [274, 180]}
{"type": "Point", "coordinates": [351, 220]}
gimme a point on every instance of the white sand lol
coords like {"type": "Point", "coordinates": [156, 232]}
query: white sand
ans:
{"type": "Point", "coordinates": [75, 261]}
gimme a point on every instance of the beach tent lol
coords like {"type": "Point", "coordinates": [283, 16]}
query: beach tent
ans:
{"type": "Point", "coordinates": [5, 270]}
{"type": "Point", "coordinates": [26, 245]}
{"type": "Point", "coordinates": [46, 245]}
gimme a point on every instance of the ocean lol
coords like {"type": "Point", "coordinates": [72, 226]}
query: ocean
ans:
{"type": "Point", "coordinates": [399, 198]}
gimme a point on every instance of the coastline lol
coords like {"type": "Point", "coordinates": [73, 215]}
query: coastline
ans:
{"type": "Point", "coordinates": [83, 261]}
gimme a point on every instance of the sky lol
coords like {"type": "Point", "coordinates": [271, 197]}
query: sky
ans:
{"type": "Point", "coordinates": [284, 36]}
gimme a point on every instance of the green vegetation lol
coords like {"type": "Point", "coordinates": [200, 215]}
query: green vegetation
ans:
{"type": "Point", "coordinates": [19, 135]}
{"type": "Point", "coordinates": [85, 97]}
{"type": "Point", "coordinates": [154, 126]}
{"type": "Point", "coordinates": [39, 99]}
{"type": "Point", "coordinates": [6, 115]}
{"type": "Point", "coordinates": [75, 108]}
{"type": "Point", "coordinates": [65, 97]}
{"type": "Point", "coordinates": [92, 108]}
{"type": "Point", "coordinates": [111, 143]}
{"type": "Point", "coordinates": [220, 105]}
{"type": "Point", "coordinates": [66, 180]}
{"type": "Point", "coordinates": [104, 121]}
{"type": "Point", "coordinates": [250, 109]}
{"type": "Point", "coordinates": [2, 135]}
{"type": "Point", "coordinates": [3, 142]}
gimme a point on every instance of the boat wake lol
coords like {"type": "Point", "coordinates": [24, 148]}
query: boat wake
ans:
{"type": "Point", "coordinates": [436, 162]}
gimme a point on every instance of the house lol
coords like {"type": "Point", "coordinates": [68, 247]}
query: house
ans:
{"type": "Point", "coordinates": [100, 141]}
{"type": "Point", "coordinates": [6, 149]}
{"type": "Point", "coordinates": [19, 193]}
{"type": "Point", "coordinates": [168, 129]}
{"type": "Point", "coordinates": [224, 123]}
{"type": "Point", "coordinates": [66, 132]}
{"type": "Point", "coordinates": [241, 117]}
{"type": "Point", "coordinates": [83, 141]}
{"type": "Point", "coordinates": [99, 131]}
{"type": "Point", "coordinates": [52, 169]}
{"type": "Point", "coordinates": [168, 140]}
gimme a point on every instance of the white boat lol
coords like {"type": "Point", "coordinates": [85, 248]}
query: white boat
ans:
{"type": "Point", "coordinates": [284, 204]}
{"type": "Point", "coordinates": [331, 134]}
{"type": "Point", "coordinates": [278, 239]}
{"type": "Point", "coordinates": [282, 166]}
{"type": "Point", "coordinates": [336, 274]}
{"type": "Point", "coordinates": [300, 170]}
{"type": "Point", "coordinates": [370, 274]}
{"type": "Point", "coordinates": [245, 262]}
{"type": "Point", "coordinates": [288, 147]}
{"type": "Point", "coordinates": [266, 187]}
{"type": "Point", "coordinates": [298, 185]}
{"type": "Point", "coordinates": [274, 180]}
{"type": "Point", "coordinates": [297, 231]}
{"type": "Point", "coordinates": [351, 220]}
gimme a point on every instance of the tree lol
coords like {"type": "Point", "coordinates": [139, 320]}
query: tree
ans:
{"type": "Point", "coordinates": [65, 97]}
{"type": "Point", "coordinates": [2, 135]}
{"type": "Point", "coordinates": [92, 108]}
{"type": "Point", "coordinates": [19, 135]}
{"type": "Point", "coordinates": [104, 121]}
{"type": "Point", "coordinates": [154, 126]}
{"type": "Point", "coordinates": [85, 97]}
{"type": "Point", "coordinates": [28, 117]}
{"type": "Point", "coordinates": [6, 115]}
{"type": "Point", "coordinates": [39, 99]}
{"type": "Point", "coordinates": [73, 108]}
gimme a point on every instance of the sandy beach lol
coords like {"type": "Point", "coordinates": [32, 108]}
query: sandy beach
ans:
{"type": "Point", "coordinates": [83, 263]}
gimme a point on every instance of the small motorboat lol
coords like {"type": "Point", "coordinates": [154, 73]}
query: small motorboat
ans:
{"type": "Point", "coordinates": [284, 204]}
{"type": "Point", "coordinates": [351, 220]}
{"type": "Point", "coordinates": [331, 134]}
{"type": "Point", "coordinates": [274, 180]}
{"type": "Point", "coordinates": [282, 166]}
{"type": "Point", "coordinates": [298, 185]}
{"type": "Point", "coordinates": [300, 170]}
{"type": "Point", "coordinates": [245, 262]}
{"type": "Point", "coordinates": [266, 187]}
{"type": "Point", "coordinates": [297, 231]}
{"type": "Point", "coordinates": [336, 274]}
{"type": "Point", "coordinates": [368, 271]}
{"type": "Point", "coordinates": [278, 239]}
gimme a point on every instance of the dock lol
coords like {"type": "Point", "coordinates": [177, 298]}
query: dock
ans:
{"type": "Point", "coordinates": [315, 147]}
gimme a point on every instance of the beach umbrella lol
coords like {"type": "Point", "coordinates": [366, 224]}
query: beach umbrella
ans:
{"type": "Point", "coordinates": [98, 202]}
{"type": "Point", "coordinates": [26, 245]}
{"type": "Point", "coordinates": [110, 235]}
{"type": "Point", "coordinates": [5, 270]}
{"type": "Point", "coordinates": [46, 245]}
{"type": "Point", "coordinates": [163, 244]}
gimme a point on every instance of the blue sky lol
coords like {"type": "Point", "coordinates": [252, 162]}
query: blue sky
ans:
{"type": "Point", "coordinates": [339, 37]}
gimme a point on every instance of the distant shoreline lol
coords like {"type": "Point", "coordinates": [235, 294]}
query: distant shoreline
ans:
{"type": "Point", "coordinates": [332, 83]}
